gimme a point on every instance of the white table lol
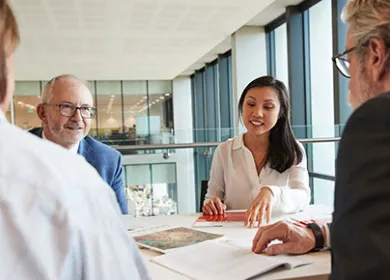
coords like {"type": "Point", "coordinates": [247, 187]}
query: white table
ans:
{"type": "Point", "coordinates": [319, 269]}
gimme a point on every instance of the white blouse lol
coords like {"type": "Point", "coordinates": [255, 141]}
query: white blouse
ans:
{"type": "Point", "coordinates": [234, 179]}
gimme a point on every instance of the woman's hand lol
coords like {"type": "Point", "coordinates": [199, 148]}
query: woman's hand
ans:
{"type": "Point", "coordinates": [214, 207]}
{"type": "Point", "coordinates": [259, 208]}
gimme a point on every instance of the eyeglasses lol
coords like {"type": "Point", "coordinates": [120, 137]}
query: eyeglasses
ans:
{"type": "Point", "coordinates": [69, 110]}
{"type": "Point", "coordinates": [342, 63]}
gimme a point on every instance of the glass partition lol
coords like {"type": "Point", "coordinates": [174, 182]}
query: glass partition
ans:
{"type": "Point", "coordinates": [27, 97]}
{"type": "Point", "coordinates": [169, 183]}
{"type": "Point", "coordinates": [135, 112]}
{"type": "Point", "coordinates": [151, 189]}
{"type": "Point", "coordinates": [109, 107]}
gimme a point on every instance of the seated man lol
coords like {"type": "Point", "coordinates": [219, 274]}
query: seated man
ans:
{"type": "Point", "coordinates": [66, 112]}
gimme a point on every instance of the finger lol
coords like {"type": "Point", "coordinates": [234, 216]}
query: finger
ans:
{"type": "Point", "coordinates": [253, 216]}
{"type": "Point", "coordinates": [247, 216]}
{"type": "Point", "coordinates": [258, 235]}
{"type": "Point", "coordinates": [268, 211]}
{"type": "Point", "coordinates": [261, 214]}
{"type": "Point", "coordinates": [278, 231]}
{"type": "Point", "coordinates": [213, 209]}
{"type": "Point", "coordinates": [206, 209]}
{"type": "Point", "coordinates": [218, 205]}
{"type": "Point", "coordinates": [223, 207]}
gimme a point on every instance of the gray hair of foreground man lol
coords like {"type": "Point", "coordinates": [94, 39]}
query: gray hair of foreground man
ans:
{"type": "Point", "coordinates": [47, 90]}
{"type": "Point", "coordinates": [367, 19]}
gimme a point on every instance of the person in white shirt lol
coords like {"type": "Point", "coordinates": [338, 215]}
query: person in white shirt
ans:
{"type": "Point", "coordinates": [264, 169]}
{"type": "Point", "coordinates": [59, 219]}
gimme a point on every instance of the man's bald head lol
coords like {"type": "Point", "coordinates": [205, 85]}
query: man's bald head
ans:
{"type": "Point", "coordinates": [60, 95]}
{"type": "Point", "coordinates": [61, 79]}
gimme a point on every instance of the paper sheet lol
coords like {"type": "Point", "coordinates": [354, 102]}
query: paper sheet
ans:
{"type": "Point", "coordinates": [222, 261]}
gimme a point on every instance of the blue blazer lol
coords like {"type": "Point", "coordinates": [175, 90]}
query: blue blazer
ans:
{"type": "Point", "coordinates": [107, 162]}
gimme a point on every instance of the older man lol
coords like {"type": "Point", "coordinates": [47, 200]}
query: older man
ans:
{"type": "Point", "coordinates": [58, 218]}
{"type": "Point", "coordinates": [360, 234]}
{"type": "Point", "coordinates": [66, 113]}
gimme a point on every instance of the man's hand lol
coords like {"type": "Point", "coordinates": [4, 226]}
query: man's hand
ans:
{"type": "Point", "coordinates": [296, 240]}
{"type": "Point", "coordinates": [260, 206]}
{"type": "Point", "coordinates": [214, 207]}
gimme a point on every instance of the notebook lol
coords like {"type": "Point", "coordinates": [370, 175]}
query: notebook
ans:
{"type": "Point", "coordinates": [167, 240]}
{"type": "Point", "coordinates": [220, 220]}
{"type": "Point", "coordinates": [218, 260]}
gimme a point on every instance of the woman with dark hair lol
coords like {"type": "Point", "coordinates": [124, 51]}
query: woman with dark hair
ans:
{"type": "Point", "coordinates": [265, 168]}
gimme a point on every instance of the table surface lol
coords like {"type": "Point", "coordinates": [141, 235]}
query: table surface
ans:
{"type": "Point", "coordinates": [319, 269]}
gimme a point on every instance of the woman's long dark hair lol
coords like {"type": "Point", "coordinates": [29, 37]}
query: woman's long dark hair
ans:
{"type": "Point", "coordinates": [283, 151]}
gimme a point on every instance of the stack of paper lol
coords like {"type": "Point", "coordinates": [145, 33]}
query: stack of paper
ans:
{"type": "Point", "coordinates": [218, 260]}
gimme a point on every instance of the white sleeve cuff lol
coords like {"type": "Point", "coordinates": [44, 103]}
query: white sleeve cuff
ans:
{"type": "Point", "coordinates": [327, 236]}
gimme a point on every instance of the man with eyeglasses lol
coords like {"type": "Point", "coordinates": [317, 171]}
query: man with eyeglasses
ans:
{"type": "Point", "coordinates": [360, 231]}
{"type": "Point", "coordinates": [66, 112]}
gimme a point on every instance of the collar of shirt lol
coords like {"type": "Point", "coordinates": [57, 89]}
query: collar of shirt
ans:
{"type": "Point", "coordinates": [238, 142]}
{"type": "Point", "coordinates": [74, 149]}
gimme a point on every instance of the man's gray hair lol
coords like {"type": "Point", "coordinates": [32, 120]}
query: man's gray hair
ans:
{"type": "Point", "coordinates": [47, 89]}
{"type": "Point", "coordinates": [367, 18]}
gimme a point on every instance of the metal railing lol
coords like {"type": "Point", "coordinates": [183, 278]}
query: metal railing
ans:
{"type": "Point", "coordinates": [203, 145]}
{"type": "Point", "coordinates": [168, 147]}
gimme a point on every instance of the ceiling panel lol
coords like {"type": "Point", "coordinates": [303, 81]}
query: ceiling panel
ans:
{"type": "Point", "coordinates": [123, 39]}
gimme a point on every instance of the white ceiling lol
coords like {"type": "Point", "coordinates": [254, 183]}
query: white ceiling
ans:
{"type": "Point", "coordinates": [277, 8]}
{"type": "Point", "coordinates": [126, 39]}
{"type": "Point", "coordinates": [122, 39]}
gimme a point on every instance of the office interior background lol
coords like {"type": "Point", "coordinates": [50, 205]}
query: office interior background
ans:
{"type": "Point", "coordinates": [171, 72]}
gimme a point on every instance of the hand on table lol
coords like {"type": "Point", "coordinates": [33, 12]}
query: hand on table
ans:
{"type": "Point", "coordinates": [296, 240]}
{"type": "Point", "coordinates": [214, 207]}
{"type": "Point", "coordinates": [259, 208]}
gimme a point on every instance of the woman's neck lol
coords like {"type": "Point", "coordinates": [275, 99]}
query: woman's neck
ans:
{"type": "Point", "coordinates": [256, 143]}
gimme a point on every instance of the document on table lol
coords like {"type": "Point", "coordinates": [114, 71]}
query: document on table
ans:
{"type": "Point", "coordinates": [223, 260]}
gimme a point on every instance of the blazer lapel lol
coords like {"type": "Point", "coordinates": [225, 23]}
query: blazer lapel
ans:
{"type": "Point", "coordinates": [85, 150]}
{"type": "Point", "coordinates": [37, 131]}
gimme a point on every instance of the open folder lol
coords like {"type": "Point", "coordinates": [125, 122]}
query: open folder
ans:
{"type": "Point", "coordinates": [219, 260]}
{"type": "Point", "coordinates": [220, 220]}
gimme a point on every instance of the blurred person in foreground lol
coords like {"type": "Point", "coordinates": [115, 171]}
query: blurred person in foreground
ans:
{"type": "Point", "coordinates": [360, 232]}
{"type": "Point", "coordinates": [59, 219]}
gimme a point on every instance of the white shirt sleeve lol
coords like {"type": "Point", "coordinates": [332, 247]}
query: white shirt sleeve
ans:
{"type": "Point", "coordinates": [216, 184]}
{"type": "Point", "coordinates": [107, 249]}
{"type": "Point", "coordinates": [58, 218]}
{"type": "Point", "coordinates": [42, 242]}
{"type": "Point", "coordinates": [296, 195]}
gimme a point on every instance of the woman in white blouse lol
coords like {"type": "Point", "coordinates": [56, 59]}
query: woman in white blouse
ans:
{"type": "Point", "coordinates": [264, 169]}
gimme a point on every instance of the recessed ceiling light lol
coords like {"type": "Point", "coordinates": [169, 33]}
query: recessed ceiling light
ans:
{"type": "Point", "coordinates": [162, 97]}
{"type": "Point", "coordinates": [167, 94]}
